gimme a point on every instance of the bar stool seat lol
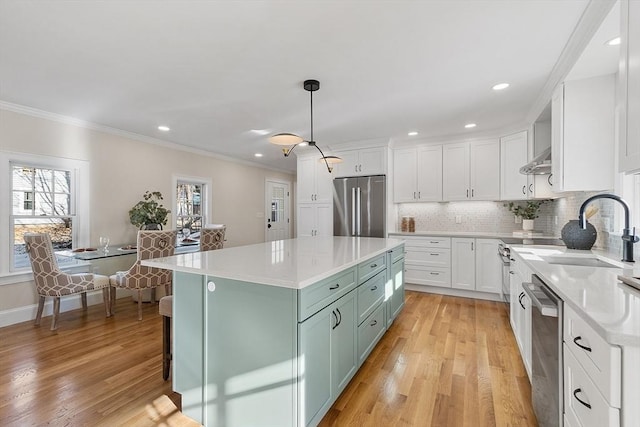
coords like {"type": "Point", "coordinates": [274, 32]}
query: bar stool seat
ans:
{"type": "Point", "coordinates": [166, 310]}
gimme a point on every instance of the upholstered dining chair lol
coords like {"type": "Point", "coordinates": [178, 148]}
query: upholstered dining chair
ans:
{"type": "Point", "coordinates": [51, 282]}
{"type": "Point", "coordinates": [212, 237]}
{"type": "Point", "coordinates": [150, 244]}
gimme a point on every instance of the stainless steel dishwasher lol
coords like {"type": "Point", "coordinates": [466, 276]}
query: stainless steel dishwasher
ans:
{"type": "Point", "coordinates": [546, 353]}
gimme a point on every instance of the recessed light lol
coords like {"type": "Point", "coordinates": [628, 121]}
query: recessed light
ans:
{"type": "Point", "coordinates": [413, 133]}
{"type": "Point", "coordinates": [164, 128]}
{"type": "Point", "coordinates": [303, 144]}
{"type": "Point", "coordinates": [470, 125]}
{"type": "Point", "coordinates": [258, 154]}
{"type": "Point", "coordinates": [500, 86]}
{"type": "Point", "coordinates": [261, 131]}
{"type": "Point", "coordinates": [613, 42]}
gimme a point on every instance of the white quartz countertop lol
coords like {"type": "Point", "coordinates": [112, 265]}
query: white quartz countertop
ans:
{"type": "Point", "coordinates": [292, 263]}
{"type": "Point", "coordinates": [611, 307]}
{"type": "Point", "coordinates": [478, 234]}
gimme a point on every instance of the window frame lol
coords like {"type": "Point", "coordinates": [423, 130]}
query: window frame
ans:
{"type": "Point", "coordinates": [79, 205]}
{"type": "Point", "coordinates": [206, 194]}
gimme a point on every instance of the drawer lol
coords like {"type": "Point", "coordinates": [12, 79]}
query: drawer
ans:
{"type": "Point", "coordinates": [428, 242]}
{"type": "Point", "coordinates": [431, 276]}
{"type": "Point", "coordinates": [370, 332]}
{"type": "Point", "coordinates": [600, 360]}
{"type": "Point", "coordinates": [584, 404]}
{"type": "Point", "coordinates": [368, 269]}
{"type": "Point", "coordinates": [319, 295]}
{"type": "Point", "coordinates": [370, 295]}
{"type": "Point", "coordinates": [396, 253]}
{"type": "Point", "coordinates": [432, 257]}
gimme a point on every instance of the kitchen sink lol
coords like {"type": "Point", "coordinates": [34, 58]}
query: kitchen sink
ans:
{"type": "Point", "coordinates": [580, 261]}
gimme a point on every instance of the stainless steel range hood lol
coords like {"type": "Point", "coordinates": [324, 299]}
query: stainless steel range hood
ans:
{"type": "Point", "coordinates": [541, 165]}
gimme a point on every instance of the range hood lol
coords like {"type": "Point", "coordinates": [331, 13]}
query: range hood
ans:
{"type": "Point", "coordinates": [541, 165]}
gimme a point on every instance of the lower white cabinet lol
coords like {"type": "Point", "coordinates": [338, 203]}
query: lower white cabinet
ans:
{"type": "Point", "coordinates": [428, 261]}
{"type": "Point", "coordinates": [315, 219]}
{"type": "Point", "coordinates": [520, 306]}
{"type": "Point", "coordinates": [475, 265]}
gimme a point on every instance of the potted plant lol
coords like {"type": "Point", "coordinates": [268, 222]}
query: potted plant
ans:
{"type": "Point", "coordinates": [149, 213]}
{"type": "Point", "coordinates": [528, 212]}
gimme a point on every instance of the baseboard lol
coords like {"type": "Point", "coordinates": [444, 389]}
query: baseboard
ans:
{"type": "Point", "coordinates": [68, 303]}
{"type": "Point", "coordinates": [453, 292]}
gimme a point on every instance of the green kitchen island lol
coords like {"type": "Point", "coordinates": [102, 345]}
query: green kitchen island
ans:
{"type": "Point", "coordinates": [270, 334]}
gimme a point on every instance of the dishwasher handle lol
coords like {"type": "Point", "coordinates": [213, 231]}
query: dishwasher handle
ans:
{"type": "Point", "coordinates": [539, 299]}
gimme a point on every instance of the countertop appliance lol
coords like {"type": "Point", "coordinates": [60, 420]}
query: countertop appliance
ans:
{"type": "Point", "coordinates": [546, 353]}
{"type": "Point", "coordinates": [505, 256]}
{"type": "Point", "coordinates": [359, 206]}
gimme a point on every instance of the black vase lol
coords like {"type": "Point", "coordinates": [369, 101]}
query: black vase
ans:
{"type": "Point", "coordinates": [574, 237]}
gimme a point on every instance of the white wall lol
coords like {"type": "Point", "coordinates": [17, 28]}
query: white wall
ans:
{"type": "Point", "coordinates": [122, 169]}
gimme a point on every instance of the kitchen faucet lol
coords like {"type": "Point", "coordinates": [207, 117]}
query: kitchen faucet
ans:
{"type": "Point", "coordinates": [628, 238]}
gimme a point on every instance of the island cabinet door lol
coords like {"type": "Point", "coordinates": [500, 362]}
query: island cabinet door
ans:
{"type": "Point", "coordinates": [343, 343]}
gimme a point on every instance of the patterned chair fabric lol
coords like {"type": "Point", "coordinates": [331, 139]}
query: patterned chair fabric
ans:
{"type": "Point", "coordinates": [51, 282]}
{"type": "Point", "coordinates": [150, 244]}
{"type": "Point", "coordinates": [212, 238]}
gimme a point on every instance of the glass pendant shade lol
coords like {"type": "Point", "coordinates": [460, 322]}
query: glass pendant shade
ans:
{"type": "Point", "coordinates": [285, 139]}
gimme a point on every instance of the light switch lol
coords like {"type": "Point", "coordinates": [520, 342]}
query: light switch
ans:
{"type": "Point", "coordinates": [458, 219]}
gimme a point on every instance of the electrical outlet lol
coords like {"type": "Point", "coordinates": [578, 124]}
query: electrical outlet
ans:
{"type": "Point", "coordinates": [458, 219]}
{"type": "Point", "coordinates": [518, 219]}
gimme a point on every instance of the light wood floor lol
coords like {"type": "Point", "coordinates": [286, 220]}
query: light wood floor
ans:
{"type": "Point", "coordinates": [444, 362]}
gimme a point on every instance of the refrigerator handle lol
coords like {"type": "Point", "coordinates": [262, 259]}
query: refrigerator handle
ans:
{"type": "Point", "coordinates": [359, 216]}
{"type": "Point", "coordinates": [353, 211]}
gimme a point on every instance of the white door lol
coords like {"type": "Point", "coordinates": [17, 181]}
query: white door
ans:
{"type": "Point", "coordinates": [277, 211]}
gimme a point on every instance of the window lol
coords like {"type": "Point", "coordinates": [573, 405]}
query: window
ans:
{"type": "Point", "coordinates": [191, 207]}
{"type": "Point", "coordinates": [45, 193]}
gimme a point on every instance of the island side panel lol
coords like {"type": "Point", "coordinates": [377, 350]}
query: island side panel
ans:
{"type": "Point", "coordinates": [250, 354]}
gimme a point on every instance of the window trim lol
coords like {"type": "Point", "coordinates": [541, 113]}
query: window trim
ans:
{"type": "Point", "coordinates": [206, 191]}
{"type": "Point", "coordinates": [80, 188]}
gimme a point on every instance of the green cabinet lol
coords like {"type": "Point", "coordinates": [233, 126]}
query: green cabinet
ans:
{"type": "Point", "coordinates": [394, 289]}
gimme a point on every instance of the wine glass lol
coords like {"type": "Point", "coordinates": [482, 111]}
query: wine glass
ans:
{"type": "Point", "coordinates": [104, 243]}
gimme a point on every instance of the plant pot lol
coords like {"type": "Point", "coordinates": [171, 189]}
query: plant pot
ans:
{"type": "Point", "coordinates": [151, 227]}
{"type": "Point", "coordinates": [527, 224]}
{"type": "Point", "coordinates": [575, 237]}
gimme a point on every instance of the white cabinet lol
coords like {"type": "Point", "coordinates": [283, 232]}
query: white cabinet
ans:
{"type": "Point", "coordinates": [315, 219]}
{"type": "Point", "coordinates": [471, 170]}
{"type": "Point", "coordinates": [417, 174]}
{"type": "Point", "coordinates": [583, 135]}
{"type": "Point", "coordinates": [315, 183]}
{"type": "Point", "coordinates": [514, 151]}
{"type": "Point", "coordinates": [475, 265]}
{"type": "Point", "coordinates": [364, 162]}
{"type": "Point", "coordinates": [520, 306]}
{"type": "Point", "coordinates": [428, 261]}
{"type": "Point", "coordinates": [629, 90]}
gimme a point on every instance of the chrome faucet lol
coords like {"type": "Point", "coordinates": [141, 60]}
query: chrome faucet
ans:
{"type": "Point", "coordinates": [628, 238]}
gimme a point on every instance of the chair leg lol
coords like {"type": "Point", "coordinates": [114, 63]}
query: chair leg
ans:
{"type": "Point", "coordinates": [40, 309]}
{"type": "Point", "coordinates": [153, 295]}
{"type": "Point", "coordinates": [166, 347]}
{"type": "Point", "coordinates": [167, 290]}
{"type": "Point", "coordinates": [83, 297]}
{"type": "Point", "coordinates": [112, 298]}
{"type": "Point", "coordinates": [139, 304]}
{"type": "Point", "coordinates": [106, 298]}
{"type": "Point", "coordinates": [56, 313]}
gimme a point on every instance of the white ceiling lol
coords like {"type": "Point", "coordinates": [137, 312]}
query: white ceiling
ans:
{"type": "Point", "coordinates": [214, 70]}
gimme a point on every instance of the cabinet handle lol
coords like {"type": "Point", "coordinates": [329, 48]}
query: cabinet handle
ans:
{"type": "Point", "coordinates": [433, 273]}
{"type": "Point", "coordinates": [339, 316]}
{"type": "Point", "coordinates": [575, 394]}
{"type": "Point", "coordinates": [360, 168]}
{"type": "Point", "coordinates": [414, 195]}
{"type": "Point", "coordinates": [584, 347]}
{"type": "Point", "coordinates": [332, 288]}
{"type": "Point", "coordinates": [418, 194]}
{"type": "Point", "coordinates": [431, 241]}
{"type": "Point", "coordinates": [471, 245]}
{"type": "Point", "coordinates": [375, 288]}
{"type": "Point", "coordinates": [374, 323]}
{"type": "Point", "coordinates": [467, 193]}
{"type": "Point", "coordinates": [531, 188]}
{"type": "Point", "coordinates": [472, 191]}
{"type": "Point", "coordinates": [434, 254]}
{"type": "Point", "coordinates": [335, 316]}
{"type": "Point", "coordinates": [512, 259]}
{"type": "Point", "coordinates": [374, 265]}
{"type": "Point", "coordinates": [511, 272]}
{"type": "Point", "coordinates": [524, 189]}
{"type": "Point", "coordinates": [355, 168]}
{"type": "Point", "coordinates": [549, 180]}
{"type": "Point", "coordinates": [520, 301]}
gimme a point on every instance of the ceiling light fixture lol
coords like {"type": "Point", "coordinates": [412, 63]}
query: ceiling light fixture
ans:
{"type": "Point", "coordinates": [470, 125]}
{"type": "Point", "coordinates": [164, 128]}
{"type": "Point", "coordinates": [258, 154]}
{"type": "Point", "coordinates": [293, 140]}
{"type": "Point", "coordinates": [413, 133]}
{"type": "Point", "coordinates": [261, 132]}
{"type": "Point", "coordinates": [500, 86]}
{"type": "Point", "coordinates": [614, 42]}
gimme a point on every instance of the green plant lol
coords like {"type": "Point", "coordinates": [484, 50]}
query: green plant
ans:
{"type": "Point", "coordinates": [149, 210]}
{"type": "Point", "coordinates": [529, 211]}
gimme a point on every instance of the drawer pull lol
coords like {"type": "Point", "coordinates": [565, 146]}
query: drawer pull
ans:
{"type": "Point", "coordinates": [511, 272]}
{"type": "Point", "coordinates": [584, 347]}
{"type": "Point", "coordinates": [374, 323]}
{"type": "Point", "coordinates": [333, 288]}
{"type": "Point", "coordinates": [335, 316]}
{"type": "Point", "coordinates": [434, 254]}
{"type": "Point", "coordinates": [520, 301]}
{"type": "Point", "coordinates": [374, 265]}
{"type": "Point", "coordinates": [437, 241]}
{"type": "Point", "coordinates": [375, 288]}
{"type": "Point", "coordinates": [433, 273]}
{"type": "Point", "coordinates": [575, 394]}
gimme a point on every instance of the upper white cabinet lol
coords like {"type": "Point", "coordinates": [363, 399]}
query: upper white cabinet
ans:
{"type": "Point", "coordinates": [315, 183]}
{"type": "Point", "coordinates": [513, 155]}
{"type": "Point", "coordinates": [417, 174]}
{"type": "Point", "coordinates": [629, 90]}
{"type": "Point", "coordinates": [363, 162]}
{"type": "Point", "coordinates": [471, 170]}
{"type": "Point", "coordinates": [582, 134]}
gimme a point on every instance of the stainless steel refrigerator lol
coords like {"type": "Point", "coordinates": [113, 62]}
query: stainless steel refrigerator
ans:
{"type": "Point", "coordinates": [360, 206]}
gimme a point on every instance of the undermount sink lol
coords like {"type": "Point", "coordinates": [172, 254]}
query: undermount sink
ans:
{"type": "Point", "coordinates": [580, 261]}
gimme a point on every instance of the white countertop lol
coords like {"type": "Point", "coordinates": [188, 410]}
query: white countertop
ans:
{"type": "Point", "coordinates": [292, 263]}
{"type": "Point", "coordinates": [611, 307]}
{"type": "Point", "coordinates": [478, 234]}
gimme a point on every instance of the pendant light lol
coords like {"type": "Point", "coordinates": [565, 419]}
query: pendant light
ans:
{"type": "Point", "coordinates": [291, 141]}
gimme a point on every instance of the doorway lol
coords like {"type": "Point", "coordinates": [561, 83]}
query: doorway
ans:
{"type": "Point", "coordinates": [277, 208]}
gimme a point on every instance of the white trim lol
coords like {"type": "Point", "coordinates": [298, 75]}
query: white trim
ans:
{"type": "Point", "coordinates": [34, 112]}
{"type": "Point", "coordinates": [207, 183]}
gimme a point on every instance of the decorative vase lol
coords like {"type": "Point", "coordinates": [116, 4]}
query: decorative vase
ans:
{"type": "Point", "coordinates": [527, 224]}
{"type": "Point", "coordinates": [151, 227]}
{"type": "Point", "coordinates": [574, 237]}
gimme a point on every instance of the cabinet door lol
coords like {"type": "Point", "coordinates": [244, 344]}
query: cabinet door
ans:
{"type": "Point", "coordinates": [525, 330]}
{"type": "Point", "coordinates": [324, 219]}
{"type": "Point", "coordinates": [404, 176]}
{"type": "Point", "coordinates": [349, 165]}
{"type": "Point", "coordinates": [343, 342]}
{"type": "Point", "coordinates": [372, 161]}
{"type": "Point", "coordinates": [513, 155]}
{"type": "Point", "coordinates": [397, 286]}
{"type": "Point", "coordinates": [324, 183]}
{"type": "Point", "coordinates": [455, 171]}
{"type": "Point", "coordinates": [484, 170]}
{"type": "Point", "coordinates": [557, 136]}
{"type": "Point", "coordinates": [306, 219]}
{"type": "Point", "coordinates": [629, 80]}
{"type": "Point", "coordinates": [315, 344]}
{"type": "Point", "coordinates": [488, 266]}
{"type": "Point", "coordinates": [463, 270]}
{"type": "Point", "coordinates": [306, 179]}
{"type": "Point", "coordinates": [515, 283]}
{"type": "Point", "coordinates": [429, 173]}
